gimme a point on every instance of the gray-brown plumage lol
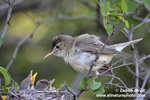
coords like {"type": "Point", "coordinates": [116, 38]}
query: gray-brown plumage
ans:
{"type": "Point", "coordinates": [26, 83]}
{"type": "Point", "coordinates": [80, 51]}
{"type": "Point", "coordinates": [44, 85]}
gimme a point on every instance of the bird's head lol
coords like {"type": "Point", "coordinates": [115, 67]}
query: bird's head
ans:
{"type": "Point", "coordinates": [28, 83]}
{"type": "Point", "coordinates": [44, 84]}
{"type": "Point", "coordinates": [60, 45]}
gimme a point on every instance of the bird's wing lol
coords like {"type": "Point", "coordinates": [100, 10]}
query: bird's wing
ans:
{"type": "Point", "coordinates": [92, 44]}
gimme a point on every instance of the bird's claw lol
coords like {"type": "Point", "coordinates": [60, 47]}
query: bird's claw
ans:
{"type": "Point", "coordinates": [93, 63]}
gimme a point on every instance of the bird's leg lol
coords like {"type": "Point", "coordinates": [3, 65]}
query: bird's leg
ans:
{"type": "Point", "coordinates": [93, 63]}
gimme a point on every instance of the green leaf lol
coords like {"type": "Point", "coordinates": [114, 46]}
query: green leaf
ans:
{"type": "Point", "coordinates": [6, 75]}
{"type": "Point", "coordinates": [100, 90]}
{"type": "Point", "coordinates": [126, 24]}
{"type": "Point", "coordinates": [16, 86]}
{"type": "Point", "coordinates": [4, 88]}
{"type": "Point", "coordinates": [115, 14]}
{"type": "Point", "coordinates": [111, 9]}
{"type": "Point", "coordinates": [81, 87]}
{"type": "Point", "coordinates": [124, 6]}
{"type": "Point", "coordinates": [107, 5]}
{"type": "Point", "coordinates": [146, 2]}
{"type": "Point", "coordinates": [132, 6]}
{"type": "Point", "coordinates": [108, 27]}
{"type": "Point", "coordinates": [103, 11]}
{"type": "Point", "coordinates": [1, 40]}
{"type": "Point", "coordinates": [115, 20]}
{"type": "Point", "coordinates": [121, 18]}
{"type": "Point", "coordinates": [118, 6]}
{"type": "Point", "coordinates": [93, 84]}
{"type": "Point", "coordinates": [83, 84]}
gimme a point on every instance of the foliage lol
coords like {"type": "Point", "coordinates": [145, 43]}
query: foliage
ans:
{"type": "Point", "coordinates": [6, 75]}
{"type": "Point", "coordinates": [91, 84]}
{"type": "Point", "coordinates": [7, 78]}
{"type": "Point", "coordinates": [113, 14]}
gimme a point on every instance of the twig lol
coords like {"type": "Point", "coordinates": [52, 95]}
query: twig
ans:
{"type": "Point", "coordinates": [8, 19]}
{"type": "Point", "coordinates": [141, 3]}
{"type": "Point", "coordinates": [11, 93]}
{"type": "Point", "coordinates": [116, 85]}
{"type": "Point", "coordinates": [7, 6]}
{"type": "Point", "coordinates": [111, 76]}
{"type": "Point", "coordinates": [144, 83]}
{"type": "Point", "coordinates": [61, 17]}
{"type": "Point", "coordinates": [145, 57]}
{"type": "Point", "coordinates": [19, 44]}
{"type": "Point", "coordinates": [6, 1]}
{"type": "Point", "coordinates": [146, 78]}
{"type": "Point", "coordinates": [98, 2]}
{"type": "Point", "coordinates": [88, 4]}
{"type": "Point", "coordinates": [145, 20]}
{"type": "Point", "coordinates": [135, 53]}
{"type": "Point", "coordinates": [138, 18]}
{"type": "Point", "coordinates": [131, 71]}
{"type": "Point", "coordinates": [115, 68]}
{"type": "Point", "coordinates": [74, 95]}
{"type": "Point", "coordinates": [12, 84]}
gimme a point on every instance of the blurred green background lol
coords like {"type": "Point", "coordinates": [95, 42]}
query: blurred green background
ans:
{"type": "Point", "coordinates": [30, 54]}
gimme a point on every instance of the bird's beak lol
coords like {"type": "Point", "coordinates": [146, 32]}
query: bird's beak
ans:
{"type": "Point", "coordinates": [30, 75]}
{"type": "Point", "coordinates": [51, 81]}
{"type": "Point", "coordinates": [50, 54]}
{"type": "Point", "coordinates": [33, 78]}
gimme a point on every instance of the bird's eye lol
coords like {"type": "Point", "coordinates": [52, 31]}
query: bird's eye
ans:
{"type": "Point", "coordinates": [57, 46]}
{"type": "Point", "coordinates": [30, 85]}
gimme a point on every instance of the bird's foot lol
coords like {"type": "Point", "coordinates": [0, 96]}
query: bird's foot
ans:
{"type": "Point", "coordinates": [93, 63]}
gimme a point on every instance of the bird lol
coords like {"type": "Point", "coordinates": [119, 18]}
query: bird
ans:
{"type": "Point", "coordinates": [44, 85]}
{"type": "Point", "coordinates": [28, 83]}
{"type": "Point", "coordinates": [81, 50]}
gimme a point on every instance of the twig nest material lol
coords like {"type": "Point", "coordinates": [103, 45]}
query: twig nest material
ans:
{"type": "Point", "coordinates": [42, 95]}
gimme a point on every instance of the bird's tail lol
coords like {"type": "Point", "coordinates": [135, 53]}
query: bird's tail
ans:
{"type": "Point", "coordinates": [121, 46]}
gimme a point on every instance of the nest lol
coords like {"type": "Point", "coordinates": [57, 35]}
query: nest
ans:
{"type": "Point", "coordinates": [42, 95]}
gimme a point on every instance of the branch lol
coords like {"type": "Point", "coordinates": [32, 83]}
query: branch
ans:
{"type": "Point", "coordinates": [8, 18]}
{"type": "Point", "coordinates": [12, 84]}
{"type": "Point", "coordinates": [61, 17]}
{"type": "Point", "coordinates": [18, 46]}
{"type": "Point", "coordinates": [141, 3]}
{"type": "Point", "coordinates": [146, 78]}
{"type": "Point", "coordinates": [145, 20]}
{"type": "Point", "coordinates": [144, 83]}
{"type": "Point", "coordinates": [7, 6]}
{"type": "Point", "coordinates": [115, 68]}
{"type": "Point", "coordinates": [129, 36]}
{"type": "Point", "coordinates": [131, 71]}
{"type": "Point", "coordinates": [145, 57]}
{"type": "Point", "coordinates": [112, 77]}
{"type": "Point", "coordinates": [98, 2]}
{"type": "Point", "coordinates": [88, 4]}
{"type": "Point", "coordinates": [64, 85]}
